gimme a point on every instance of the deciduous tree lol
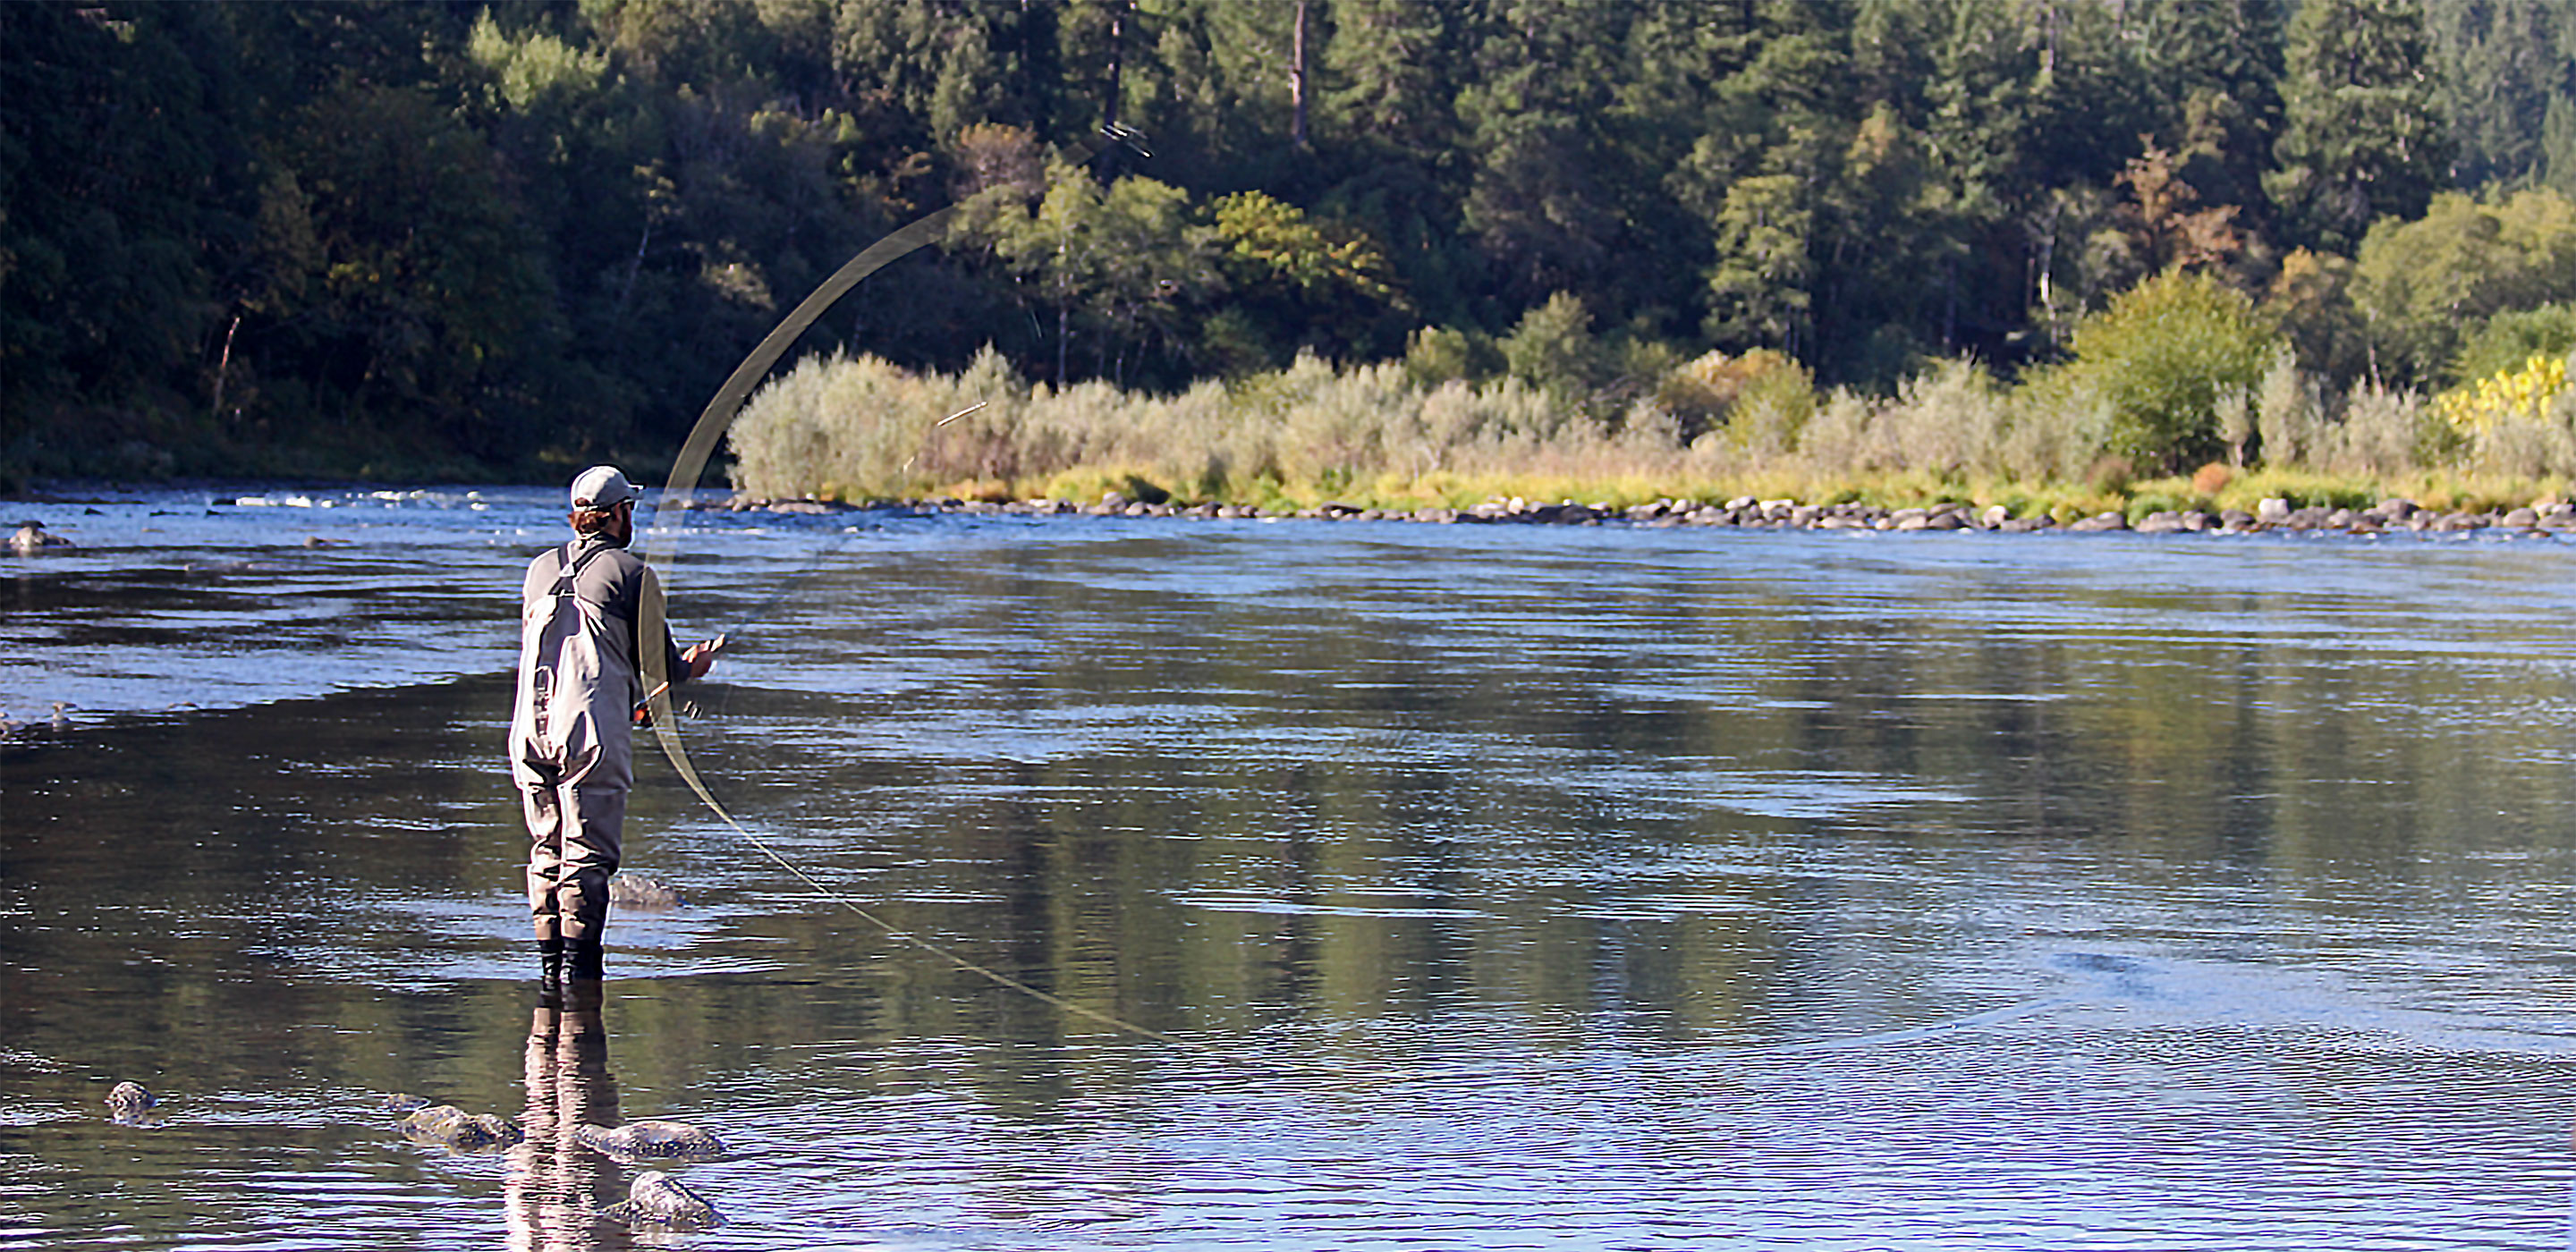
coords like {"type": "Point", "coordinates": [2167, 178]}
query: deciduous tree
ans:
{"type": "Point", "coordinates": [2425, 285]}
{"type": "Point", "coordinates": [2159, 358]}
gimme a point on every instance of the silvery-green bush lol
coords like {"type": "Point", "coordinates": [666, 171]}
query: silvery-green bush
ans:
{"type": "Point", "coordinates": [857, 427]}
{"type": "Point", "coordinates": [2384, 433]}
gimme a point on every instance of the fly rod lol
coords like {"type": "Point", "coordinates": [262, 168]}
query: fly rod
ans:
{"type": "Point", "coordinates": [681, 491]}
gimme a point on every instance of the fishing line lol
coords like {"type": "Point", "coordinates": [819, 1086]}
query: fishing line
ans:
{"type": "Point", "coordinates": [916, 454]}
{"type": "Point", "coordinates": [680, 494]}
{"type": "Point", "coordinates": [679, 758]}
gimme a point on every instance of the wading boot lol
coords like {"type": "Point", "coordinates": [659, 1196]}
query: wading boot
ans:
{"type": "Point", "coordinates": [582, 961]}
{"type": "Point", "coordinates": [550, 973]}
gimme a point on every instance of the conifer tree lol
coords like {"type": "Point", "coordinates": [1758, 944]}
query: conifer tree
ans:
{"type": "Point", "coordinates": [2363, 134]}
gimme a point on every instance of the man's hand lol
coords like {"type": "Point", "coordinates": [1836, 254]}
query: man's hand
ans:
{"type": "Point", "coordinates": [702, 656]}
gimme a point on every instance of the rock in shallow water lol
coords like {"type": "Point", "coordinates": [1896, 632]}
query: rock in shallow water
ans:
{"type": "Point", "coordinates": [128, 1101]}
{"type": "Point", "coordinates": [657, 1199]}
{"type": "Point", "coordinates": [651, 1141]}
{"type": "Point", "coordinates": [635, 891]}
{"type": "Point", "coordinates": [31, 538]}
{"type": "Point", "coordinates": [451, 1127]}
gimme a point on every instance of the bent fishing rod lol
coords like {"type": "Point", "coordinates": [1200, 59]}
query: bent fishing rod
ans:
{"type": "Point", "coordinates": [680, 494]}
{"type": "Point", "coordinates": [787, 588]}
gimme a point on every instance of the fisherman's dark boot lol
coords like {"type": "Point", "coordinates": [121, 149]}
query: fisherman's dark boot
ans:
{"type": "Point", "coordinates": [550, 973]}
{"type": "Point", "coordinates": [582, 961]}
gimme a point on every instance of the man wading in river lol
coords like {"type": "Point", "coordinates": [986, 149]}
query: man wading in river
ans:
{"type": "Point", "coordinates": [571, 732]}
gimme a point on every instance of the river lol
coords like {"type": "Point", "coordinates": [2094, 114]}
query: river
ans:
{"type": "Point", "coordinates": [1457, 887]}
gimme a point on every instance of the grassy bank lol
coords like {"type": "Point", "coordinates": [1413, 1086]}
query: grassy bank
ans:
{"type": "Point", "coordinates": [1381, 436]}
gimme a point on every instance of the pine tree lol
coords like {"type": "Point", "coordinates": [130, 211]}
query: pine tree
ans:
{"type": "Point", "coordinates": [2218, 67]}
{"type": "Point", "coordinates": [1543, 197]}
{"type": "Point", "coordinates": [2503, 63]}
{"type": "Point", "coordinates": [2363, 134]}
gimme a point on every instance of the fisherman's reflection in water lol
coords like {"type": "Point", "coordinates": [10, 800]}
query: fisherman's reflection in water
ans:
{"type": "Point", "coordinates": [557, 1187]}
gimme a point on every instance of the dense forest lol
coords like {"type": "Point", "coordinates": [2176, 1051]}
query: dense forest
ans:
{"type": "Point", "coordinates": [408, 239]}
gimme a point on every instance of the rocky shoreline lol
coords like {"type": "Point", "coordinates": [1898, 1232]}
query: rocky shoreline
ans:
{"type": "Point", "coordinates": [2396, 515]}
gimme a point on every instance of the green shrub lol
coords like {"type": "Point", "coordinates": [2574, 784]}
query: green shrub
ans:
{"type": "Point", "coordinates": [1703, 392]}
{"type": "Point", "coordinates": [1553, 348]}
{"type": "Point", "coordinates": [1442, 354]}
{"type": "Point", "coordinates": [2302, 488]}
{"type": "Point", "coordinates": [2512, 337]}
{"type": "Point", "coordinates": [2422, 284]}
{"type": "Point", "coordinates": [2023, 503]}
{"type": "Point", "coordinates": [2160, 356]}
{"type": "Point", "coordinates": [2165, 500]}
{"type": "Point", "coordinates": [1950, 420]}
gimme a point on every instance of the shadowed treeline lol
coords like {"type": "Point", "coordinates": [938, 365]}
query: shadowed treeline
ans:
{"type": "Point", "coordinates": [417, 241]}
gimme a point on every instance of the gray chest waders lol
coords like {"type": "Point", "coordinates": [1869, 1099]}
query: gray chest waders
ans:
{"type": "Point", "coordinates": [573, 776]}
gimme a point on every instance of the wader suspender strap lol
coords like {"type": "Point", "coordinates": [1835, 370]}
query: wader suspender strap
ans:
{"type": "Point", "coordinates": [572, 567]}
{"type": "Point", "coordinates": [563, 587]}
{"type": "Point", "coordinates": [561, 591]}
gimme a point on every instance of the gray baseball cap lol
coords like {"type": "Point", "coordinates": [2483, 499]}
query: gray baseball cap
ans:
{"type": "Point", "coordinates": [601, 487]}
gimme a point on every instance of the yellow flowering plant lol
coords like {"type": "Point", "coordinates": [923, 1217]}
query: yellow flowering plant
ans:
{"type": "Point", "coordinates": [2525, 393]}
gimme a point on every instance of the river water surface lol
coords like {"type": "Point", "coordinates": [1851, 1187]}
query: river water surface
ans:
{"type": "Point", "coordinates": [1472, 887]}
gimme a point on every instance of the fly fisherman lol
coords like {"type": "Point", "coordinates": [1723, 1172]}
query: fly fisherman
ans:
{"type": "Point", "coordinates": [581, 679]}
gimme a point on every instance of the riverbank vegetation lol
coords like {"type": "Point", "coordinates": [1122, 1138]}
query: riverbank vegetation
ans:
{"type": "Point", "coordinates": [1383, 249]}
{"type": "Point", "coordinates": [2180, 395]}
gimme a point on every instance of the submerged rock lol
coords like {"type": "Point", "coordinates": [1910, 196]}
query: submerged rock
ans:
{"type": "Point", "coordinates": [657, 1199]}
{"type": "Point", "coordinates": [651, 1141]}
{"type": "Point", "coordinates": [635, 891]}
{"type": "Point", "coordinates": [451, 1127]}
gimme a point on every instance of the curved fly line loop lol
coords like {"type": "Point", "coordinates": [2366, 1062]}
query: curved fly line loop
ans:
{"type": "Point", "coordinates": [681, 493]}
